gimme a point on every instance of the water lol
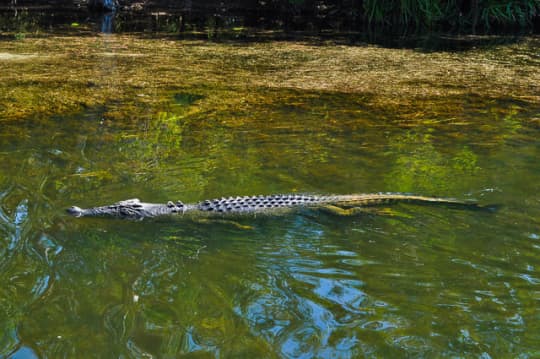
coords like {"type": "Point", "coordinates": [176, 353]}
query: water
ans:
{"type": "Point", "coordinates": [89, 119]}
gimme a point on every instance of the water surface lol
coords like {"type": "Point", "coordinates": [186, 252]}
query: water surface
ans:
{"type": "Point", "coordinates": [90, 119]}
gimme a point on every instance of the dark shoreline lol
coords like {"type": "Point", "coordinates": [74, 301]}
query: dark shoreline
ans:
{"type": "Point", "coordinates": [244, 19]}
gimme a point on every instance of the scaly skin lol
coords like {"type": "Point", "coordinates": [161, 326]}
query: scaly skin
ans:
{"type": "Point", "coordinates": [234, 206]}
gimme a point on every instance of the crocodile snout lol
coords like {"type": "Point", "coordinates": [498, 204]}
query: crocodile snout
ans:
{"type": "Point", "coordinates": [75, 211]}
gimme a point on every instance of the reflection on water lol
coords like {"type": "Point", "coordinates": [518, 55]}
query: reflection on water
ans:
{"type": "Point", "coordinates": [415, 281]}
{"type": "Point", "coordinates": [107, 22]}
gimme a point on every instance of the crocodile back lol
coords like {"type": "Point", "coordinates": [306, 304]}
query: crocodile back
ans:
{"type": "Point", "coordinates": [250, 204]}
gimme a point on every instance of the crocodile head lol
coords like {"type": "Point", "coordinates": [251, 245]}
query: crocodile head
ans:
{"type": "Point", "coordinates": [75, 211]}
{"type": "Point", "coordinates": [128, 209]}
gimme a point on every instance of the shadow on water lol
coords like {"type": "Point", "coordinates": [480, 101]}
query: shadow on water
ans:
{"type": "Point", "coordinates": [229, 25]}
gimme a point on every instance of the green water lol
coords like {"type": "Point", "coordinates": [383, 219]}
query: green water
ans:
{"type": "Point", "coordinates": [417, 281]}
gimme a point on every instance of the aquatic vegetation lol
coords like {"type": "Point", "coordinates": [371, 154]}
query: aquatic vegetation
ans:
{"type": "Point", "coordinates": [68, 74]}
{"type": "Point", "coordinates": [88, 119]}
{"type": "Point", "coordinates": [417, 15]}
{"type": "Point", "coordinates": [420, 166]}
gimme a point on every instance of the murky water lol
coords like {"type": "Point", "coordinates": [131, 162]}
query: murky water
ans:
{"type": "Point", "coordinates": [89, 119]}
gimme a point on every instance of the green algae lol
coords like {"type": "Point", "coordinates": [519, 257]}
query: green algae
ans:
{"type": "Point", "coordinates": [60, 75]}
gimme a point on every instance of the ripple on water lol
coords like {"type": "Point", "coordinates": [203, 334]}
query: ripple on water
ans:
{"type": "Point", "coordinates": [413, 345]}
{"type": "Point", "coordinates": [9, 340]}
{"type": "Point", "coordinates": [117, 321]}
{"type": "Point", "coordinates": [13, 225]}
{"type": "Point", "coordinates": [310, 335]}
{"type": "Point", "coordinates": [47, 248]}
{"type": "Point", "coordinates": [24, 352]}
{"type": "Point", "coordinates": [41, 285]}
{"type": "Point", "coordinates": [344, 292]}
{"type": "Point", "coordinates": [379, 325]}
{"type": "Point", "coordinates": [529, 278]}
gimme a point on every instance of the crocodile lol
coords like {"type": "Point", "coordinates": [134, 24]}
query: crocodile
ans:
{"type": "Point", "coordinates": [254, 205]}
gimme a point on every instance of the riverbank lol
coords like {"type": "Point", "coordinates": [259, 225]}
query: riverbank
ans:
{"type": "Point", "coordinates": [386, 16]}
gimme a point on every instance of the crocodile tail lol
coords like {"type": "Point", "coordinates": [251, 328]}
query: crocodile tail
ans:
{"type": "Point", "coordinates": [388, 198]}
